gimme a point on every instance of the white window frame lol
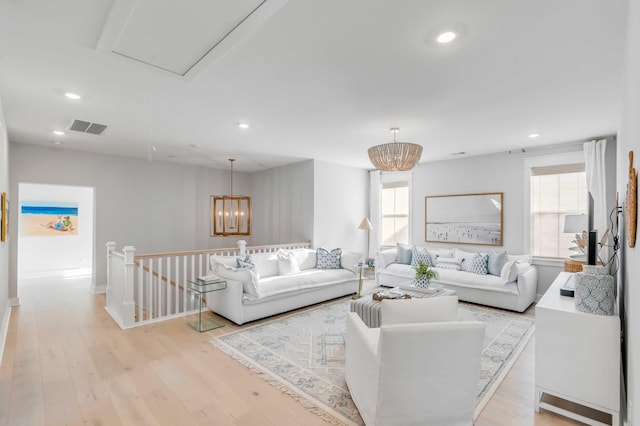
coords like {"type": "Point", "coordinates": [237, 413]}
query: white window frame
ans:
{"type": "Point", "coordinates": [543, 161]}
{"type": "Point", "coordinates": [388, 177]}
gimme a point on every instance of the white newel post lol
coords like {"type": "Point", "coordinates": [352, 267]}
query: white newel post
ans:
{"type": "Point", "coordinates": [111, 245]}
{"type": "Point", "coordinates": [128, 303]}
{"type": "Point", "coordinates": [242, 244]}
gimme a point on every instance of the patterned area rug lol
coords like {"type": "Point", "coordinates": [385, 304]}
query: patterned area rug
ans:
{"type": "Point", "coordinates": [303, 354]}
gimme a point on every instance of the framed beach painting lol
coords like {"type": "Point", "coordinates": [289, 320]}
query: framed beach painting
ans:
{"type": "Point", "coordinates": [464, 219]}
{"type": "Point", "coordinates": [4, 224]}
{"type": "Point", "coordinates": [48, 218]}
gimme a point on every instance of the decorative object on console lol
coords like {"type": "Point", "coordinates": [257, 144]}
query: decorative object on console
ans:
{"type": "Point", "coordinates": [424, 274]}
{"type": "Point", "coordinates": [230, 214]}
{"type": "Point", "coordinates": [576, 224]}
{"type": "Point", "coordinates": [395, 156]}
{"type": "Point", "coordinates": [594, 292]}
{"type": "Point", "coordinates": [464, 219]}
{"type": "Point", "coordinates": [632, 203]}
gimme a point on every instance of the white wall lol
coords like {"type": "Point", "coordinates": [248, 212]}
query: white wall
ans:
{"type": "Point", "coordinates": [152, 206]}
{"type": "Point", "coordinates": [45, 254]}
{"type": "Point", "coordinates": [283, 204]}
{"type": "Point", "coordinates": [629, 140]}
{"type": "Point", "coordinates": [340, 203]}
{"type": "Point", "coordinates": [4, 246]}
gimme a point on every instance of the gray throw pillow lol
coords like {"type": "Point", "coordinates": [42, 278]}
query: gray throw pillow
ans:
{"type": "Point", "coordinates": [496, 262]}
{"type": "Point", "coordinates": [403, 254]}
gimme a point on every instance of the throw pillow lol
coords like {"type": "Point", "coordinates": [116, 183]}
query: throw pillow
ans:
{"type": "Point", "coordinates": [403, 254]}
{"type": "Point", "coordinates": [465, 256]}
{"type": "Point", "coordinates": [247, 263]}
{"type": "Point", "coordinates": [509, 271]}
{"type": "Point", "coordinates": [385, 258]}
{"type": "Point", "coordinates": [478, 264]}
{"type": "Point", "coordinates": [448, 263]}
{"type": "Point", "coordinates": [496, 262]}
{"type": "Point", "coordinates": [287, 264]}
{"type": "Point", "coordinates": [326, 259]}
{"type": "Point", "coordinates": [420, 254]}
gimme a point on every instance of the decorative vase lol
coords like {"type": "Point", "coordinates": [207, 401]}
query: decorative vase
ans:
{"type": "Point", "coordinates": [421, 282]}
{"type": "Point", "coordinates": [594, 292]}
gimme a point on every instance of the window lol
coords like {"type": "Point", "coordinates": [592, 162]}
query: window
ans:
{"type": "Point", "coordinates": [394, 206]}
{"type": "Point", "coordinates": [556, 191]}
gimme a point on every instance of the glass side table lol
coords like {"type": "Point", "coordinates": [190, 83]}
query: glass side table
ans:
{"type": "Point", "coordinates": [198, 290]}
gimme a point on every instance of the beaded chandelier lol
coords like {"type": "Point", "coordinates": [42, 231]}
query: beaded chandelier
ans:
{"type": "Point", "coordinates": [395, 156]}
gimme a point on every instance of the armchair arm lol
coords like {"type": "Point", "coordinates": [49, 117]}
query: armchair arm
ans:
{"type": "Point", "coordinates": [362, 368]}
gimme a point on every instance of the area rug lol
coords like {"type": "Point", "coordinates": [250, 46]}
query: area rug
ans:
{"type": "Point", "coordinates": [303, 354]}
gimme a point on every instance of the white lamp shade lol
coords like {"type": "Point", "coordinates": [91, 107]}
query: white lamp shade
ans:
{"type": "Point", "coordinates": [365, 224]}
{"type": "Point", "coordinates": [575, 223]}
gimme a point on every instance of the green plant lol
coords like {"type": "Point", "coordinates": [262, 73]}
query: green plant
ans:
{"type": "Point", "coordinates": [423, 270]}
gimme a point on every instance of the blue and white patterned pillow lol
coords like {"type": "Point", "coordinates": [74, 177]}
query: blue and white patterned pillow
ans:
{"type": "Point", "coordinates": [419, 254]}
{"type": "Point", "coordinates": [478, 264]}
{"type": "Point", "coordinates": [326, 259]}
{"type": "Point", "coordinates": [247, 263]}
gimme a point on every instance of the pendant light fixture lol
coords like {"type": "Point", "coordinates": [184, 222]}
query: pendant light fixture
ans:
{"type": "Point", "coordinates": [395, 156]}
{"type": "Point", "coordinates": [231, 214]}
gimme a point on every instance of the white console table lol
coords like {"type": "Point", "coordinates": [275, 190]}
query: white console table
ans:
{"type": "Point", "coordinates": [577, 359]}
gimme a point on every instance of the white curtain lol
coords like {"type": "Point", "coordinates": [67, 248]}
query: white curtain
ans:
{"type": "Point", "coordinates": [374, 212]}
{"type": "Point", "coordinates": [594, 159]}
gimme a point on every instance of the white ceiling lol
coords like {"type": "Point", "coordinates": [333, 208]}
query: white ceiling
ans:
{"type": "Point", "coordinates": [314, 79]}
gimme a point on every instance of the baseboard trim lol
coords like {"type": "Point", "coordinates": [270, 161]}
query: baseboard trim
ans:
{"type": "Point", "coordinates": [98, 289]}
{"type": "Point", "coordinates": [60, 273]}
{"type": "Point", "coordinates": [4, 326]}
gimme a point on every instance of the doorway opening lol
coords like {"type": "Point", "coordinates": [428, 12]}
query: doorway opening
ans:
{"type": "Point", "coordinates": [55, 231]}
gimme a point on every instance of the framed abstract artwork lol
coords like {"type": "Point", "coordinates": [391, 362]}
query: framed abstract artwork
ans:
{"type": "Point", "coordinates": [464, 219]}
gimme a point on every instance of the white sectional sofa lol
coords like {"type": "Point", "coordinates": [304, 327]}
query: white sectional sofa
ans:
{"type": "Point", "coordinates": [514, 288]}
{"type": "Point", "coordinates": [276, 285]}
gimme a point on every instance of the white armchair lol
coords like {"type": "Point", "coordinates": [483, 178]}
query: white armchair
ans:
{"type": "Point", "coordinates": [421, 367]}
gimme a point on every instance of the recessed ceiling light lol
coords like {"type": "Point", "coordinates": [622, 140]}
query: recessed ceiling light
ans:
{"type": "Point", "coordinates": [534, 135]}
{"type": "Point", "coordinates": [58, 132]}
{"type": "Point", "coordinates": [73, 96]}
{"type": "Point", "coordinates": [194, 145]}
{"type": "Point", "coordinates": [446, 37]}
{"type": "Point", "coordinates": [58, 143]}
{"type": "Point", "coordinates": [243, 125]}
{"type": "Point", "coordinates": [459, 153]}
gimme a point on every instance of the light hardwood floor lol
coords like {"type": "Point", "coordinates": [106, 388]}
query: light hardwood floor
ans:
{"type": "Point", "coordinates": [66, 362]}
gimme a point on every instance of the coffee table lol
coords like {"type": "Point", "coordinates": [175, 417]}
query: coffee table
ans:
{"type": "Point", "coordinates": [369, 309]}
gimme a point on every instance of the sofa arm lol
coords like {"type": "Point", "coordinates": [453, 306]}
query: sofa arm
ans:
{"type": "Point", "coordinates": [528, 284]}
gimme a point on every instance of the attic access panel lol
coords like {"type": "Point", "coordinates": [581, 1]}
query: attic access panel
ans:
{"type": "Point", "coordinates": [175, 36]}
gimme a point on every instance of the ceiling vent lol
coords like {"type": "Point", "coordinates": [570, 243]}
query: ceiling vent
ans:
{"type": "Point", "coordinates": [87, 127]}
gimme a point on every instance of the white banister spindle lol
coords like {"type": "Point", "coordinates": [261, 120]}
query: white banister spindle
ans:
{"type": "Point", "coordinates": [128, 304]}
{"type": "Point", "coordinates": [141, 290]}
{"type": "Point", "coordinates": [242, 246]}
{"type": "Point", "coordinates": [150, 289]}
{"type": "Point", "coordinates": [111, 245]}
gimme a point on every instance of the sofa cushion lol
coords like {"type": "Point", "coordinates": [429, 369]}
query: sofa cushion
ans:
{"type": "Point", "coordinates": [420, 254]}
{"type": "Point", "coordinates": [306, 258]}
{"type": "Point", "coordinates": [326, 259]}
{"type": "Point", "coordinates": [465, 257]}
{"type": "Point", "coordinates": [304, 279]}
{"type": "Point", "coordinates": [478, 264]}
{"type": "Point", "coordinates": [350, 260]}
{"type": "Point", "coordinates": [448, 263]}
{"type": "Point", "coordinates": [496, 261]}
{"type": "Point", "coordinates": [287, 264]}
{"type": "Point", "coordinates": [403, 254]}
{"type": "Point", "coordinates": [386, 257]}
{"type": "Point", "coordinates": [249, 278]}
{"type": "Point", "coordinates": [509, 271]}
{"type": "Point", "coordinates": [266, 263]}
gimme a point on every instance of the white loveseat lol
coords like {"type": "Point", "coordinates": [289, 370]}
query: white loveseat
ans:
{"type": "Point", "coordinates": [514, 288]}
{"type": "Point", "coordinates": [277, 286]}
